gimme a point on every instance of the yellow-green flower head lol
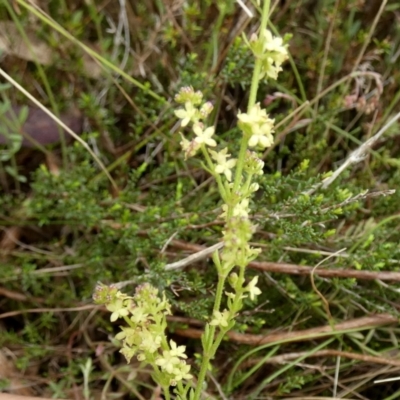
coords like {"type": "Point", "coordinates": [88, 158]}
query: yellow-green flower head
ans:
{"type": "Point", "coordinates": [262, 136]}
{"type": "Point", "coordinates": [104, 294]}
{"type": "Point", "coordinates": [204, 136]}
{"type": "Point", "coordinates": [272, 52]}
{"type": "Point", "coordinates": [177, 351]}
{"type": "Point", "coordinates": [150, 343]}
{"type": "Point", "coordinates": [187, 114]}
{"type": "Point", "coordinates": [258, 126]}
{"type": "Point", "coordinates": [182, 372]}
{"type": "Point", "coordinates": [206, 109]}
{"type": "Point", "coordinates": [253, 289]}
{"type": "Point", "coordinates": [255, 116]}
{"type": "Point", "coordinates": [146, 292]}
{"type": "Point", "coordinates": [275, 45]}
{"type": "Point", "coordinates": [253, 164]}
{"type": "Point", "coordinates": [167, 361]}
{"type": "Point", "coordinates": [128, 353]}
{"type": "Point", "coordinates": [130, 336]}
{"type": "Point", "coordinates": [220, 318]}
{"type": "Point", "coordinates": [118, 309]}
{"type": "Point", "coordinates": [189, 147]}
{"type": "Point", "coordinates": [187, 94]}
{"type": "Point", "coordinates": [223, 166]}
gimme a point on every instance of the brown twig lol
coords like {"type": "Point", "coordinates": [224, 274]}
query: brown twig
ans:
{"type": "Point", "coordinates": [281, 359]}
{"type": "Point", "coordinates": [302, 335]}
{"type": "Point", "coordinates": [294, 269]}
{"type": "Point", "coordinates": [53, 310]}
{"type": "Point", "coordinates": [325, 273]}
{"type": "Point", "coordinates": [7, 396]}
{"type": "Point", "coordinates": [18, 296]}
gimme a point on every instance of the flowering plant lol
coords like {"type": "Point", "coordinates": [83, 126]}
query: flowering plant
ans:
{"type": "Point", "coordinates": [144, 337]}
{"type": "Point", "coordinates": [145, 312]}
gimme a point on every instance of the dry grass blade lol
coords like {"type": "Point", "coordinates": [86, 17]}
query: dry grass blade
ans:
{"type": "Point", "coordinates": [303, 335]}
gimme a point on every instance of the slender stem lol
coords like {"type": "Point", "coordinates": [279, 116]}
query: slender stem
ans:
{"type": "Point", "coordinates": [204, 364]}
{"type": "Point", "coordinates": [166, 393]}
{"type": "Point", "coordinates": [257, 66]}
{"type": "Point", "coordinates": [213, 47]}
{"type": "Point", "coordinates": [235, 308]}
{"type": "Point", "coordinates": [252, 99]}
{"type": "Point", "coordinates": [219, 292]}
{"type": "Point", "coordinates": [15, 173]}
{"type": "Point", "coordinates": [212, 343]}
{"type": "Point", "coordinates": [210, 349]}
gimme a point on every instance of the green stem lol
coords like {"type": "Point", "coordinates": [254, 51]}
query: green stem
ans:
{"type": "Point", "coordinates": [207, 355]}
{"type": "Point", "coordinates": [257, 66]}
{"type": "Point", "coordinates": [212, 343]}
{"type": "Point", "coordinates": [213, 47]}
{"type": "Point", "coordinates": [166, 393]}
{"type": "Point", "coordinates": [236, 306]}
{"type": "Point", "coordinates": [210, 348]}
{"type": "Point", "coordinates": [219, 292]}
{"type": "Point", "coordinates": [252, 99]}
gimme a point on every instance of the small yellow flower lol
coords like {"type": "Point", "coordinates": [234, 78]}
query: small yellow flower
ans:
{"type": "Point", "coordinates": [167, 362]}
{"type": "Point", "coordinates": [275, 44]}
{"type": "Point", "coordinates": [262, 136]}
{"type": "Point", "coordinates": [224, 166]}
{"type": "Point", "coordinates": [128, 353]}
{"type": "Point", "coordinates": [128, 335]}
{"type": "Point", "coordinates": [256, 115]}
{"type": "Point", "coordinates": [187, 114]}
{"type": "Point", "coordinates": [253, 289]}
{"type": "Point", "coordinates": [177, 351]}
{"type": "Point", "coordinates": [138, 315]}
{"type": "Point", "coordinates": [257, 124]}
{"type": "Point", "coordinates": [204, 136]}
{"type": "Point", "coordinates": [118, 309]}
{"type": "Point", "coordinates": [220, 318]}
{"type": "Point", "coordinates": [182, 372]}
{"type": "Point", "coordinates": [242, 209]}
{"type": "Point", "coordinates": [150, 343]}
{"type": "Point", "coordinates": [190, 148]}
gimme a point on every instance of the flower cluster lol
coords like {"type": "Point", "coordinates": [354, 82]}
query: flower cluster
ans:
{"type": "Point", "coordinates": [224, 165]}
{"type": "Point", "coordinates": [257, 126]}
{"type": "Point", "coordinates": [145, 314]}
{"type": "Point", "coordinates": [172, 363]}
{"type": "Point", "coordinates": [257, 130]}
{"type": "Point", "coordinates": [271, 51]}
{"type": "Point", "coordinates": [194, 113]}
{"type": "Point", "coordinates": [224, 319]}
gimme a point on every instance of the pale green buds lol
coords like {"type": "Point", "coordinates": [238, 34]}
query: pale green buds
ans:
{"type": "Point", "coordinates": [187, 94]}
{"type": "Point", "coordinates": [252, 164]}
{"type": "Point", "coordinates": [206, 109]}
